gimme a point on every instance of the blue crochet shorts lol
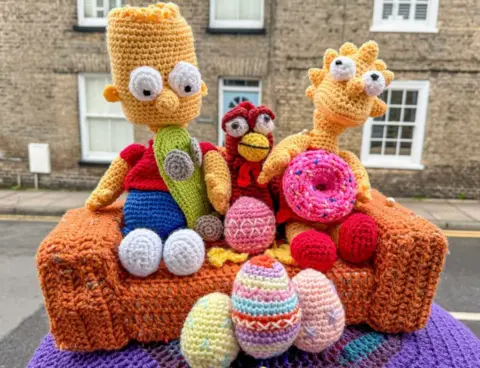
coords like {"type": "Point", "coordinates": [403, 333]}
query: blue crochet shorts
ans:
{"type": "Point", "coordinates": [152, 210]}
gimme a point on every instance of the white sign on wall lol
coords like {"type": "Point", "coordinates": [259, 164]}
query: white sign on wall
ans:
{"type": "Point", "coordinates": [39, 158]}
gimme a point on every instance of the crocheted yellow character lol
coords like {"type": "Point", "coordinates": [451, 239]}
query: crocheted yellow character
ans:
{"type": "Point", "coordinates": [344, 93]}
{"type": "Point", "coordinates": [172, 181]}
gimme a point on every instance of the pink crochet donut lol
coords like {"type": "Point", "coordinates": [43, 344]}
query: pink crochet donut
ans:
{"type": "Point", "coordinates": [319, 186]}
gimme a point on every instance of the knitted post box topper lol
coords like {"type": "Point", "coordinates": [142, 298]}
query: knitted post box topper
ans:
{"type": "Point", "coordinates": [250, 222]}
{"type": "Point", "coordinates": [345, 95]}
{"type": "Point", "coordinates": [155, 77]}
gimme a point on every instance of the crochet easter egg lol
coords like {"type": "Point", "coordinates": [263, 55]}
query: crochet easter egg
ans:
{"type": "Point", "coordinates": [207, 338]}
{"type": "Point", "coordinates": [323, 316]}
{"type": "Point", "coordinates": [266, 311]}
{"type": "Point", "coordinates": [319, 186]}
{"type": "Point", "coordinates": [249, 226]}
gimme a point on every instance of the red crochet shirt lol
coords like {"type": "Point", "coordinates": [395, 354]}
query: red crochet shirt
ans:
{"type": "Point", "coordinates": [143, 173]}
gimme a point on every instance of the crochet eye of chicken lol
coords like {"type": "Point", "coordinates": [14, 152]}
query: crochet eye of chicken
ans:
{"type": "Point", "coordinates": [250, 222]}
{"type": "Point", "coordinates": [344, 93]}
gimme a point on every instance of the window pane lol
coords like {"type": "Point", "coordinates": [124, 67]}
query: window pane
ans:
{"type": "Point", "coordinates": [407, 132]}
{"type": "Point", "coordinates": [394, 114]}
{"type": "Point", "coordinates": [421, 12]}
{"type": "Point", "coordinates": [376, 148]}
{"type": "Point", "coordinates": [405, 148]}
{"type": "Point", "coordinates": [380, 118]}
{"type": "Point", "coordinates": [88, 8]}
{"type": "Point", "coordinates": [404, 11]}
{"type": "Point", "coordinates": [377, 131]}
{"type": "Point", "coordinates": [241, 82]}
{"type": "Point", "coordinates": [122, 132]}
{"type": "Point", "coordinates": [114, 4]}
{"type": "Point", "coordinates": [250, 9]}
{"type": "Point", "coordinates": [94, 86]}
{"type": "Point", "coordinates": [226, 9]}
{"type": "Point", "coordinates": [383, 96]}
{"type": "Point", "coordinates": [409, 114]}
{"type": "Point", "coordinates": [392, 131]}
{"type": "Point", "coordinates": [412, 97]}
{"type": "Point", "coordinates": [390, 148]}
{"type": "Point", "coordinates": [387, 10]}
{"type": "Point", "coordinates": [98, 133]}
{"type": "Point", "coordinates": [396, 97]}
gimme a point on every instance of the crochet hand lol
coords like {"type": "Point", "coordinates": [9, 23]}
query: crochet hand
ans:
{"type": "Point", "coordinates": [218, 193]}
{"type": "Point", "coordinates": [364, 191]}
{"type": "Point", "coordinates": [99, 199]}
{"type": "Point", "coordinates": [275, 165]}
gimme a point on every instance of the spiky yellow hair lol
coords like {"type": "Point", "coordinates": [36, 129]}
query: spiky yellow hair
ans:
{"type": "Point", "coordinates": [151, 14]}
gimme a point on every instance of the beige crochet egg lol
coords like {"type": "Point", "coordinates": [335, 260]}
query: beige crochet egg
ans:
{"type": "Point", "coordinates": [323, 316]}
{"type": "Point", "coordinates": [207, 338]}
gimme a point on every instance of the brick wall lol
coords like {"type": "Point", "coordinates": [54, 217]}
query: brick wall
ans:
{"type": "Point", "coordinates": [41, 55]}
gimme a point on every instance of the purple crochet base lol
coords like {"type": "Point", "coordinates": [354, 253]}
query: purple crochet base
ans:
{"type": "Point", "coordinates": [443, 343]}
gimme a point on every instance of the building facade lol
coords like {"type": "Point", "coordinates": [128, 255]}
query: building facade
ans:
{"type": "Point", "coordinates": [54, 65]}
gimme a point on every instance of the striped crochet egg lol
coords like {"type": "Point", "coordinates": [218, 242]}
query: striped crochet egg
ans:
{"type": "Point", "coordinates": [266, 312]}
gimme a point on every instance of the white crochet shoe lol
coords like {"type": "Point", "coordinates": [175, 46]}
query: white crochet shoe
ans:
{"type": "Point", "coordinates": [184, 252]}
{"type": "Point", "coordinates": [140, 252]}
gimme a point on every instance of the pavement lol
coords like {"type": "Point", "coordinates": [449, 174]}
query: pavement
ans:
{"type": "Point", "coordinates": [446, 213]}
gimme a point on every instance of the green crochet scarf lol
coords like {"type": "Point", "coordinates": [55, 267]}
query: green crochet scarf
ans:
{"type": "Point", "coordinates": [190, 194]}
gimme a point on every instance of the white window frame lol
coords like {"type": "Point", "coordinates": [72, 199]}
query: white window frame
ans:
{"type": "Point", "coordinates": [222, 88]}
{"type": "Point", "coordinates": [412, 162]}
{"type": "Point", "coordinates": [87, 155]}
{"type": "Point", "coordinates": [236, 24]}
{"type": "Point", "coordinates": [93, 22]}
{"type": "Point", "coordinates": [427, 26]}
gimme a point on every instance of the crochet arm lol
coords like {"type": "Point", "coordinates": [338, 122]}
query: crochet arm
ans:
{"type": "Point", "coordinates": [361, 176]}
{"type": "Point", "coordinates": [217, 178]}
{"type": "Point", "coordinates": [110, 186]}
{"type": "Point", "coordinates": [281, 156]}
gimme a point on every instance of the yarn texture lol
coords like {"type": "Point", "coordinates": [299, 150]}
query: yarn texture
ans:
{"type": "Point", "coordinates": [319, 186]}
{"type": "Point", "coordinates": [210, 227]}
{"type": "Point", "coordinates": [266, 314]}
{"type": "Point", "coordinates": [323, 317]}
{"type": "Point", "coordinates": [444, 342]}
{"type": "Point", "coordinates": [357, 238]}
{"type": "Point", "coordinates": [207, 338]}
{"type": "Point", "coordinates": [184, 252]}
{"type": "Point", "coordinates": [249, 226]}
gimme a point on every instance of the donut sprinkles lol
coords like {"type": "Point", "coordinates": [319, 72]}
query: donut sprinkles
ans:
{"type": "Point", "coordinates": [320, 186]}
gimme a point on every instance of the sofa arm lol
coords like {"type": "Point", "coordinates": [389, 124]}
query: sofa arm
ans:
{"type": "Point", "coordinates": [407, 265]}
{"type": "Point", "coordinates": [78, 272]}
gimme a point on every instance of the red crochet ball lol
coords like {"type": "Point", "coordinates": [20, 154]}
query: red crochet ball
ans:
{"type": "Point", "coordinates": [357, 238]}
{"type": "Point", "coordinates": [313, 249]}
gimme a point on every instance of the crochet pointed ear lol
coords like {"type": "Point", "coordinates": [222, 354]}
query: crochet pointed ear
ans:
{"type": "Point", "coordinates": [204, 89]}
{"type": "Point", "coordinates": [388, 75]}
{"type": "Point", "coordinates": [111, 93]}
{"type": "Point", "coordinates": [348, 48]}
{"type": "Point", "coordinates": [368, 52]}
{"type": "Point", "coordinates": [379, 108]}
{"type": "Point", "coordinates": [310, 92]}
{"type": "Point", "coordinates": [316, 76]}
{"type": "Point", "coordinates": [328, 57]}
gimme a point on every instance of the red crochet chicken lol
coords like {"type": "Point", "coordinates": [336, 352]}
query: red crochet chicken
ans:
{"type": "Point", "coordinates": [250, 222]}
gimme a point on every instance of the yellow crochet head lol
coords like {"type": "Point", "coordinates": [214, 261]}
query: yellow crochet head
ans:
{"type": "Point", "coordinates": [345, 91]}
{"type": "Point", "coordinates": [154, 66]}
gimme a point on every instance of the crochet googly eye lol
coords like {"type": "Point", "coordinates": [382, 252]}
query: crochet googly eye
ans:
{"type": "Point", "coordinates": [374, 83]}
{"type": "Point", "coordinates": [342, 69]}
{"type": "Point", "coordinates": [185, 79]}
{"type": "Point", "coordinates": [236, 127]}
{"type": "Point", "coordinates": [264, 124]}
{"type": "Point", "coordinates": [146, 83]}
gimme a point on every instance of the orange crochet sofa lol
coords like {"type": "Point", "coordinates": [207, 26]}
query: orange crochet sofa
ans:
{"type": "Point", "coordinates": [94, 304]}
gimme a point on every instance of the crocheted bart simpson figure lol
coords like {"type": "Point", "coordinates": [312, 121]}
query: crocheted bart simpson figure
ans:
{"type": "Point", "coordinates": [155, 77]}
{"type": "Point", "coordinates": [250, 221]}
{"type": "Point", "coordinates": [344, 93]}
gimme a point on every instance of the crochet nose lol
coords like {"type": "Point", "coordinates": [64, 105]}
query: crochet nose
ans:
{"type": "Point", "coordinates": [167, 102]}
{"type": "Point", "coordinates": [374, 76]}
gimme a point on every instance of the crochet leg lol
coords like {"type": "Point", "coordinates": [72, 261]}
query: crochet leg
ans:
{"type": "Point", "coordinates": [184, 252]}
{"type": "Point", "coordinates": [311, 248]}
{"type": "Point", "coordinates": [140, 252]}
{"type": "Point", "coordinates": [356, 238]}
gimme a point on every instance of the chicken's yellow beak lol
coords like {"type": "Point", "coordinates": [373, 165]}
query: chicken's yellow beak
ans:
{"type": "Point", "coordinates": [254, 147]}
